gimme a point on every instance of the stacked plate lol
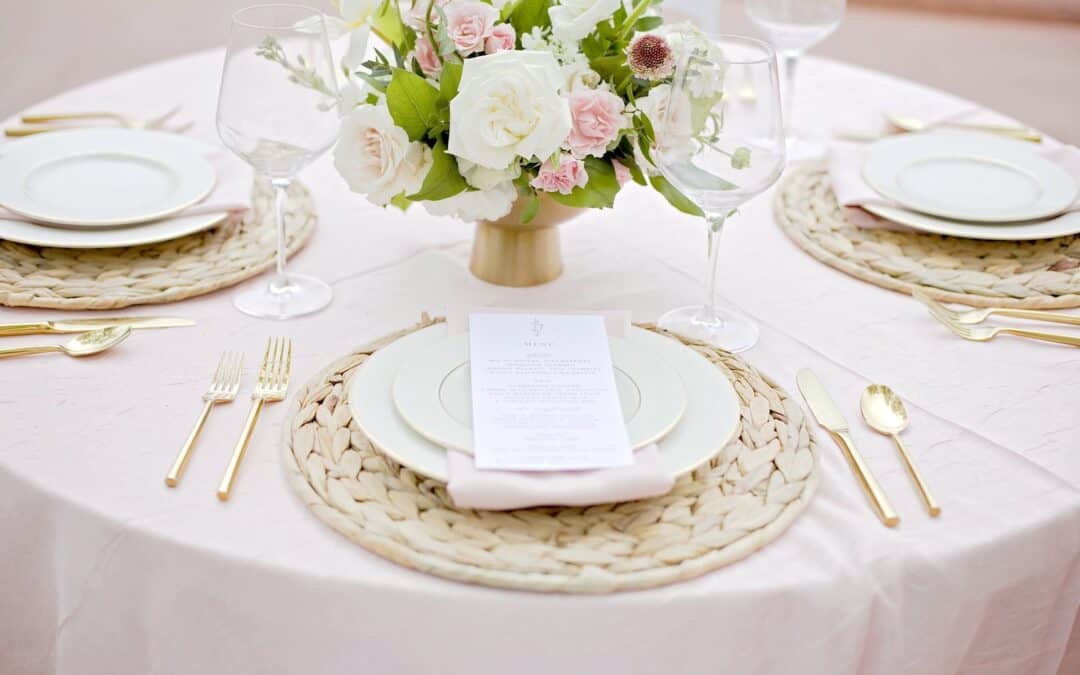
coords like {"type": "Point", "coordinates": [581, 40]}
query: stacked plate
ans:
{"type": "Point", "coordinates": [412, 399]}
{"type": "Point", "coordinates": [972, 185]}
{"type": "Point", "coordinates": [99, 188]}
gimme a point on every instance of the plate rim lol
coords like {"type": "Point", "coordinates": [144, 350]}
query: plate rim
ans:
{"type": "Point", "coordinates": [1018, 155]}
{"type": "Point", "coordinates": [676, 471]}
{"type": "Point", "coordinates": [617, 344]}
{"type": "Point", "coordinates": [1002, 231]}
{"type": "Point", "coordinates": [201, 223]}
{"type": "Point", "coordinates": [180, 144]}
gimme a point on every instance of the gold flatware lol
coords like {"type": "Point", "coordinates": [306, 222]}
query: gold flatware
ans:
{"type": "Point", "coordinates": [983, 334]}
{"type": "Point", "coordinates": [45, 122]}
{"type": "Point", "coordinates": [224, 386]}
{"type": "Point", "coordinates": [83, 325]}
{"type": "Point", "coordinates": [830, 417]}
{"type": "Point", "coordinates": [884, 412]}
{"type": "Point", "coordinates": [907, 123]}
{"type": "Point", "coordinates": [271, 386]}
{"type": "Point", "coordinates": [84, 344]}
{"type": "Point", "coordinates": [973, 316]}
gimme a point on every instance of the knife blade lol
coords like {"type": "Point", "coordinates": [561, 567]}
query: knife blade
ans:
{"type": "Point", "coordinates": [829, 417]}
{"type": "Point", "coordinates": [82, 325]}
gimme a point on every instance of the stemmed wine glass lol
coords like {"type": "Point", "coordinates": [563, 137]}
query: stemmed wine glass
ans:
{"type": "Point", "coordinates": [720, 150]}
{"type": "Point", "coordinates": [794, 26]}
{"type": "Point", "coordinates": [277, 110]}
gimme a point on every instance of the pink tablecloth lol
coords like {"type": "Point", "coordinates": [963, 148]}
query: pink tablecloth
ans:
{"type": "Point", "coordinates": [104, 570]}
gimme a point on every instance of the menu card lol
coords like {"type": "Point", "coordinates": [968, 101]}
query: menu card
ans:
{"type": "Point", "coordinates": [544, 396]}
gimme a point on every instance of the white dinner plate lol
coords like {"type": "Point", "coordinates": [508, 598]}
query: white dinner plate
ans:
{"type": "Point", "coordinates": [103, 177]}
{"type": "Point", "coordinates": [433, 393]}
{"type": "Point", "coordinates": [709, 423]}
{"type": "Point", "coordinates": [974, 177]}
{"type": "Point", "coordinates": [101, 237]}
{"type": "Point", "coordinates": [1061, 226]}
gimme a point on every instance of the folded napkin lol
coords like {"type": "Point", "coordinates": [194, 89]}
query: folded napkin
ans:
{"type": "Point", "coordinates": [231, 192]}
{"type": "Point", "coordinates": [472, 488]}
{"type": "Point", "coordinates": [845, 173]}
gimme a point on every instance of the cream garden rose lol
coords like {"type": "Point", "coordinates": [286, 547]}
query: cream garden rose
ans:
{"type": "Point", "coordinates": [572, 20]}
{"type": "Point", "coordinates": [490, 204]}
{"type": "Point", "coordinates": [375, 157]}
{"type": "Point", "coordinates": [508, 106]}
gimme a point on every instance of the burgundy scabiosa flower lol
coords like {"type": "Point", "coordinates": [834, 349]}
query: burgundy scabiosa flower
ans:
{"type": "Point", "coordinates": [650, 57]}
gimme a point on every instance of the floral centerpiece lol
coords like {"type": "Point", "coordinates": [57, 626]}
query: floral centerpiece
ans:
{"type": "Point", "coordinates": [472, 107]}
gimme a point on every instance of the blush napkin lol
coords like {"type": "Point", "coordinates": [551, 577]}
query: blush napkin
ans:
{"type": "Point", "coordinates": [845, 173]}
{"type": "Point", "coordinates": [472, 488]}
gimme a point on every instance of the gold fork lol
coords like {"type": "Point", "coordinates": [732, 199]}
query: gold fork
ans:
{"type": "Point", "coordinates": [981, 334]}
{"type": "Point", "coordinates": [41, 123]}
{"type": "Point", "coordinates": [973, 316]}
{"type": "Point", "coordinates": [271, 386]}
{"type": "Point", "coordinates": [224, 386]}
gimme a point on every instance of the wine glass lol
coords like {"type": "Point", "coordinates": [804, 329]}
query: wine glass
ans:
{"type": "Point", "coordinates": [277, 110]}
{"type": "Point", "coordinates": [720, 150]}
{"type": "Point", "coordinates": [794, 26]}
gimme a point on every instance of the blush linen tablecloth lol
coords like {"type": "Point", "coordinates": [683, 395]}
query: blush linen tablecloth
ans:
{"type": "Point", "coordinates": [104, 570]}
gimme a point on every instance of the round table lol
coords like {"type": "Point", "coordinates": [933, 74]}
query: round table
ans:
{"type": "Point", "coordinates": [105, 570]}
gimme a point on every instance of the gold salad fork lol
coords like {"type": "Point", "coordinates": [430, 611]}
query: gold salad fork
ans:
{"type": "Point", "coordinates": [982, 334]}
{"type": "Point", "coordinates": [973, 316]}
{"type": "Point", "coordinates": [271, 386]}
{"type": "Point", "coordinates": [41, 123]}
{"type": "Point", "coordinates": [223, 388]}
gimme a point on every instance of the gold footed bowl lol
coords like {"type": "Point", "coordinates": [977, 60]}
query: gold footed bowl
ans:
{"type": "Point", "coordinates": [507, 253]}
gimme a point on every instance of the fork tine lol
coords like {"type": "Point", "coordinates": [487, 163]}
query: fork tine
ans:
{"type": "Point", "coordinates": [288, 364]}
{"type": "Point", "coordinates": [158, 121]}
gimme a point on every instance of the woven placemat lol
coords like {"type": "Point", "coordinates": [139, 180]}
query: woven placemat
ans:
{"type": "Point", "coordinates": [743, 499]}
{"type": "Point", "coordinates": [1039, 274]}
{"type": "Point", "coordinates": [108, 278]}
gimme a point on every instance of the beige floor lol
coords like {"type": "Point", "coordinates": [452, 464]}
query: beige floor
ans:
{"type": "Point", "coordinates": [1025, 68]}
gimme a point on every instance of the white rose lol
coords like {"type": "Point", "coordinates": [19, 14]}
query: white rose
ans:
{"type": "Point", "coordinates": [673, 131]}
{"type": "Point", "coordinates": [508, 106]}
{"type": "Point", "coordinates": [483, 178]}
{"type": "Point", "coordinates": [579, 75]}
{"type": "Point", "coordinates": [375, 157]}
{"type": "Point", "coordinates": [490, 204]}
{"type": "Point", "coordinates": [572, 20]}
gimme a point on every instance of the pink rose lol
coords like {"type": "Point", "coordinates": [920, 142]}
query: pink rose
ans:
{"type": "Point", "coordinates": [563, 178]}
{"type": "Point", "coordinates": [622, 174]}
{"type": "Point", "coordinates": [425, 56]}
{"type": "Point", "coordinates": [501, 39]}
{"type": "Point", "coordinates": [417, 16]}
{"type": "Point", "coordinates": [469, 23]}
{"type": "Point", "coordinates": [597, 118]}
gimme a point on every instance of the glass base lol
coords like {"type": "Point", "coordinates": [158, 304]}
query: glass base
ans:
{"type": "Point", "coordinates": [295, 295]}
{"type": "Point", "coordinates": [720, 327]}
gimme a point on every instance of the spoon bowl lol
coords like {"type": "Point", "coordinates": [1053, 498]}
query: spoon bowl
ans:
{"type": "Point", "coordinates": [96, 341]}
{"type": "Point", "coordinates": [883, 410]}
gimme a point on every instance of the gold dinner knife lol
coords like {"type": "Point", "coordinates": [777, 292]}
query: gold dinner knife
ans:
{"type": "Point", "coordinates": [82, 325]}
{"type": "Point", "coordinates": [830, 417]}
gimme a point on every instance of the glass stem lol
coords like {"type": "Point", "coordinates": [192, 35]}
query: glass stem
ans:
{"type": "Point", "coordinates": [281, 198]}
{"type": "Point", "coordinates": [716, 225]}
{"type": "Point", "coordinates": [791, 64]}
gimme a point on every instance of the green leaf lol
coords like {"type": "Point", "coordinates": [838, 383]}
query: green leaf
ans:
{"type": "Point", "coordinates": [450, 79]}
{"type": "Point", "coordinates": [529, 14]}
{"type": "Point", "coordinates": [598, 193]}
{"type": "Point", "coordinates": [413, 103]}
{"type": "Point", "coordinates": [648, 23]}
{"type": "Point", "coordinates": [443, 179]}
{"type": "Point", "coordinates": [676, 198]}
{"type": "Point", "coordinates": [401, 201]}
{"type": "Point", "coordinates": [532, 207]}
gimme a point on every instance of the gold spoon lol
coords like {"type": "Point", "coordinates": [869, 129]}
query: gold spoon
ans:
{"type": "Point", "coordinates": [885, 413]}
{"type": "Point", "coordinates": [83, 344]}
{"type": "Point", "coordinates": [905, 123]}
